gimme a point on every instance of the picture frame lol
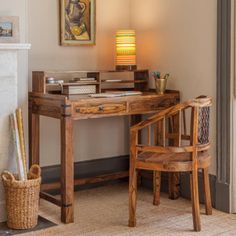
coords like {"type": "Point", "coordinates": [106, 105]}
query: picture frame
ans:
{"type": "Point", "coordinates": [9, 29]}
{"type": "Point", "coordinates": [77, 22]}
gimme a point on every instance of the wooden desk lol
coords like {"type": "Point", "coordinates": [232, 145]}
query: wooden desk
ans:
{"type": "Point", "coordinates": [72, 108]}
{"type": "Point", "coordinates": [76, 108]}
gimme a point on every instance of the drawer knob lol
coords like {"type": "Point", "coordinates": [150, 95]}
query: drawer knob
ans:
{"type": "Point", "coordinates": [77, 110]}
{"type": "Point", "coordinates": [101, 108]}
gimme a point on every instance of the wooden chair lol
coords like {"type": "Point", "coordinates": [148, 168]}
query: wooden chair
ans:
{"type": "Point", "coordinates": [189, 153]}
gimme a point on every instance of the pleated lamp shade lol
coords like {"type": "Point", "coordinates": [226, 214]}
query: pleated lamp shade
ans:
{"type": "Point", "coordinates": [126, 50]}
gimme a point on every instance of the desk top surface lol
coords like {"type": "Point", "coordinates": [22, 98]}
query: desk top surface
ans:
{"type": "Point", "coordinates": [145, 95]}
{"type": "Point", "coordinates": [151, 94]}
{"type": "Point", "coordinates": [85, 107]}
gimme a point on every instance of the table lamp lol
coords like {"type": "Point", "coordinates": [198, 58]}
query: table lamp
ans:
{"type": "Point", "coordinates": [126, 50]}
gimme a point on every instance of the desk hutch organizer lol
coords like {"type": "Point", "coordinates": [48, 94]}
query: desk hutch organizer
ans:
{"type": "Point", "coordinates": [47, 100]}
{"type": "Point", "coordinates": [123, 80]}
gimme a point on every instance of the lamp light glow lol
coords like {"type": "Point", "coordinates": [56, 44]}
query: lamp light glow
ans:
{"type": "Point", "coordinates": [126, 50]}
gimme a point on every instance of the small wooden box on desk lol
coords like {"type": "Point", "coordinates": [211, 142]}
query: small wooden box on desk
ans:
{"type": "Point", "coordinates": [44, 101]}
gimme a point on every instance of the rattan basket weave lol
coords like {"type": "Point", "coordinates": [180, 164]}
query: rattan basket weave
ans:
{"type": "Point", "coordinates": [22, 199]}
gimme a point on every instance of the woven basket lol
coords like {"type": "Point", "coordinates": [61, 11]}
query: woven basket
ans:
{"type": "Point", "coordinates": [22, 199]}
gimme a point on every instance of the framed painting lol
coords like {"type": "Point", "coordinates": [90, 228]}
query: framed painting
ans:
{"type": "Point", "coordinates": [77, 22]}
{"type": "Point", "coordinates": [9, 29]}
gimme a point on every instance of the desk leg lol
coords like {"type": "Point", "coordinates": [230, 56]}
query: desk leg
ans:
{"type": "Point", "coordinates": [67, 171]}
{"type": "Point", "coordinates": [33, 138]}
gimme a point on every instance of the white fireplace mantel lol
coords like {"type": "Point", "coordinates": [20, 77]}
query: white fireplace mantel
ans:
{"type": "Point", "coordinates": [15, 46]}
{"type": "Point", "coordinates": [9, 64]}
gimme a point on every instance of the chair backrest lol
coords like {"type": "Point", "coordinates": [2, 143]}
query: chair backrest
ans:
{"type": "Point", "coordinates": [185, 122]}
{"type": "Point", "coordinates": [203, 125]}
{"type": "Point", "coordinates": [202, 104]}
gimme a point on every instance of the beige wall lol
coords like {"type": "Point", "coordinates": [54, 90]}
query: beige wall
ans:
{"type": "Point", "coordinates": [96, 138]}
{"type": "Point", "coordinates": [180, 37]}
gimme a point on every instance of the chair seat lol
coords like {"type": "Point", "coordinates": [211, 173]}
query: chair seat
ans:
{"type": "Point", "coordinates": [172, 161]}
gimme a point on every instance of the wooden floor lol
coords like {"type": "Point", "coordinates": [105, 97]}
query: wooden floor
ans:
{"type": "Point", "coordinates": [104, 211]}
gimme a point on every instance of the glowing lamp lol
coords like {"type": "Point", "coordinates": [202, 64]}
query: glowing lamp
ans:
{"type": "Point", "coordinates": [126, 50]}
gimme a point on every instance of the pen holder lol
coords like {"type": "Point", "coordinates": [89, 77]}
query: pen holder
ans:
{"type": "Point", "coordinates": [160, 85]}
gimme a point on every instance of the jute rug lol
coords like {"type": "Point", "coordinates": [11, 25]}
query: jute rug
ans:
{"type": "Point", "coordinates": [104, 212]}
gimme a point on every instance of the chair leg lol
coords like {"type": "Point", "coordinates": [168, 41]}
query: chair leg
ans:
{"type": "Point", "coordinates": [132, 196]}
{"type": "Point", "coordinates": [174, 185]}
{"type": "Point", "coordinates": [207, 192]}
{"type": "Point", "coordinates": [195, 201]}
{"type": "Point", "coordinates": [156, 187]}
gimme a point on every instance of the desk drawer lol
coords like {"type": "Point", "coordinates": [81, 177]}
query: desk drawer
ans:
{"type": "Point", "coordinates": [152, 104]}
{"type": "Point", "coordinates": [97, 109]}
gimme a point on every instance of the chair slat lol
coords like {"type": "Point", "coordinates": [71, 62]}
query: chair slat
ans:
{"type": "Point", "coordinates": [180, 128]}
{"type": "Point", "coordinates": [184, 122]}
{"type": "Point", "coordinates": [164, 132]}
{"type": "Point", "coordinates": [149, 135]}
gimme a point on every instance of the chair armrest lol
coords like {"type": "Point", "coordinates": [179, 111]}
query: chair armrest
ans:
{"type": "Point", "coordinates": [201, 101]}
{"type": "Point", "coordinates": [159, 116]}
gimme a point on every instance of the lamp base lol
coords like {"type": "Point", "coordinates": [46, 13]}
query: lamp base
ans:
{"type": "Point", "coordinates": [126, 68]}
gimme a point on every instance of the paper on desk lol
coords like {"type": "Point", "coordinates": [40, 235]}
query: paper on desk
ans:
{"type": "Point", "coordinates": [115, 94]}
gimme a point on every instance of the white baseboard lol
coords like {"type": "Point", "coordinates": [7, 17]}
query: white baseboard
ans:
{"type": "Point", "coordinates": [2, 211]}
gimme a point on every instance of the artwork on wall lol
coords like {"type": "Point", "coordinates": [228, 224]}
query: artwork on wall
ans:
{"type": "Point", "coordinates": [78, 22]}
{"type": "Point", "coordinates": [9, 29]}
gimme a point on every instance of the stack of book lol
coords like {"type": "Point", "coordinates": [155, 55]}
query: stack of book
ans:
{"type": "Point", "coordinates": [83, 79]}
{"type": "Point", "coordinates": [79, 86]}
{"type": "Point", "coordinates": [78, 89]}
